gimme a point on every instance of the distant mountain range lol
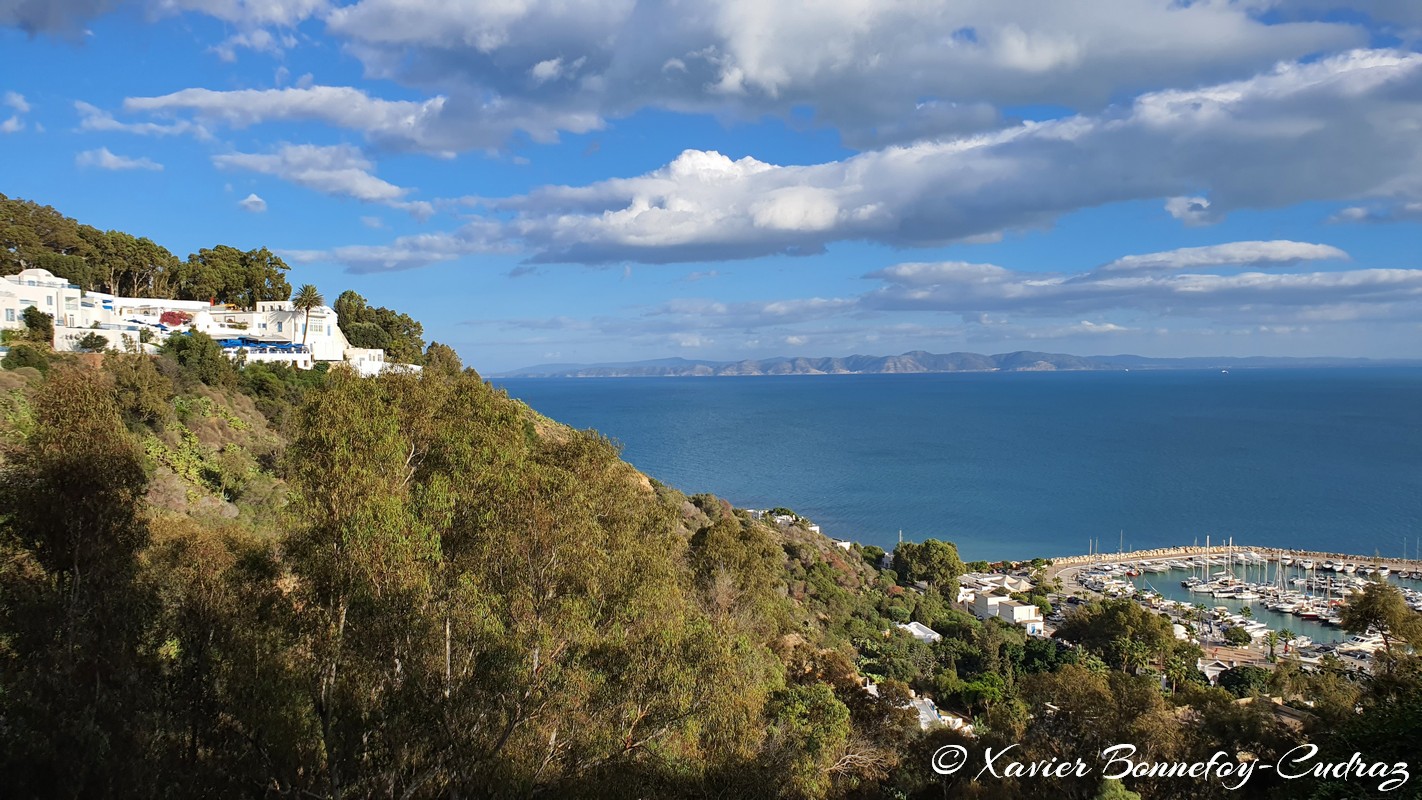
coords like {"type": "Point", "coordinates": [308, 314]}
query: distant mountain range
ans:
{"type": "Point", "coordinates": [918, 361]}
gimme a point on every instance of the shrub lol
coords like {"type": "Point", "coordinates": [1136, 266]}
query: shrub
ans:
{"type": "Point", "coordinates": [25, 355]}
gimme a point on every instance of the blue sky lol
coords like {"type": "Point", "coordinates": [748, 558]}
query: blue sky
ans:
{"type": "Point", "coordinates": [605, 180]}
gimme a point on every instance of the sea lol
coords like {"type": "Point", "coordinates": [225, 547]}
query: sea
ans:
{"type": "Point", "coordinates": [1024, 464]}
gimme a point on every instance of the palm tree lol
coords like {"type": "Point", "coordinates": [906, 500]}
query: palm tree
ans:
{"type": "Point", "coordinates": [307, 298]}
{"type": "Point", "coordinates": [1177, 669]}
{"type": "Point", "coordinates": [1287, 636]}
{"type": "Point", "coordinates": [1273, 640]}
{"type": "Point", "coordinates": [1247, 612]}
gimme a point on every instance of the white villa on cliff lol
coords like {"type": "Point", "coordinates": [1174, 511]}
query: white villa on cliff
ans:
{"type": "Point", "coordinates": [273, 332]}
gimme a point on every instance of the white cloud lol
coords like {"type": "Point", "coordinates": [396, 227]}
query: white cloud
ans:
{"type": "Point", "coordinates": [985, 288]}
{"type": "Point", "coordinates": [878, 71]}
{"type": "Point", "coordinates": [103, 159]}
{"type": "Point", "coordinates": [259, 40]}
{"type": "Point", "coordinates": [15, 122]}
{"type": "Point", "coordinates": [985, 305]}
{"type": "Point", "coordinates": [1241, 141]}
{"type": "Point", "coordinates": [439, 125]}
{"type": "Point", "coordinates": [253, 203]}
{"type": "Point", "coordinates": [1192, 211]}
{"type": "Point", "coordinates": [93, 118]}
{"type": "Point", "coordinates": [340, 170]}
{"type": "Point", "coordinates": [408, 252]}
{"type": "Point", "coordinates": [1240, 254]}
{"type": "Point", "coordinates": [284, 13]}
{"type": "Point", "coordinates": [1396, 212]}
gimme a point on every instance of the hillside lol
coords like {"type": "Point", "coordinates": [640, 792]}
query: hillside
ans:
{"type": "Point", "coordinates": [425, 567]}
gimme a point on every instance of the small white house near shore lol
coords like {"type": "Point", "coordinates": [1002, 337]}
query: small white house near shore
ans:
{"type": "Point", "coordinates": [986, 596]}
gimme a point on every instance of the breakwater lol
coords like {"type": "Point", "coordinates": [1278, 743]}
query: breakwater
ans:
{"type": "Point", "coordinates": [1271, 553]}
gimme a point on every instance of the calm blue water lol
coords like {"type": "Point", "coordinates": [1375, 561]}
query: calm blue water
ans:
{"type": "Point", "coordinates": [1012, 465]}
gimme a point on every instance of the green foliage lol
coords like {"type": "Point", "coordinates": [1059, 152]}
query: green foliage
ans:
{"type": "Point", "coordinates": [201, 358]}
{"type": "Point", "coordinates": [305, 299]}
{"type": "Point", "coordinates": [1381, 606]}
{"type": "Point", "coordinates": [442, 359]}
{"type": "Point", "coordinates": [32, 235]}
{"type": "Point", "coordinates": [1112, 789]}
{"type": "Point", "coordinates": [39, 326]}
{"type": "Point", "coordinates": [932, 561]}
{"type": "Point", "coordinates": [74, 667]}
{"type": "Point", "coordinates": [737, 567]}
{"type": "Point", "coordinates": [25, 355]}
{"type": "Point", "coordinates": [400, 336]}
{"type": "Point", "coordinates": [1237, 636]}
{"type": "Point", "coordinates": [277, 389]}
{"type": "Point", "coordinates": [228, 275]}
{"type": "Point", "coordinates": [1122, 632]}
{"type": "Point", "coordinates": [92, 343]}
{"type": "Point", "coordinates": [142, 393]}
{"type": "Point", "coordinates": [809, 727]}
{"type": "Point", "coordinates": [224, 473]}
{"type": "Point", "coordinates": [1244, 680]}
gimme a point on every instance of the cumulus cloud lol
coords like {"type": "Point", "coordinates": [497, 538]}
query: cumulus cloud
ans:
{"type": "Point", "coordinates": [877, 71]}
{"type": "Point", "coordinates": [253, 203]}
{"type": "Point", "coordinates": [16, 101]}
{"type": "Point", "coordinates": [1241, 141]}
{"type": "Point", "coordinates": [103, 159]}
{"type": "Point", "coordinates": [339, 170]}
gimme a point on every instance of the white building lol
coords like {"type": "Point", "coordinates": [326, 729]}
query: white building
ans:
{"type": "Point", "coordinates": [986, 604]}
{"type": "Point", "coordinates": [921, 632]}
{"type": "Point", "coordinates": [275, 331]}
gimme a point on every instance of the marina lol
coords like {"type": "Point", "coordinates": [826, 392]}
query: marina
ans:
{"type": "Point", "coordinates": [1296, 596]}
